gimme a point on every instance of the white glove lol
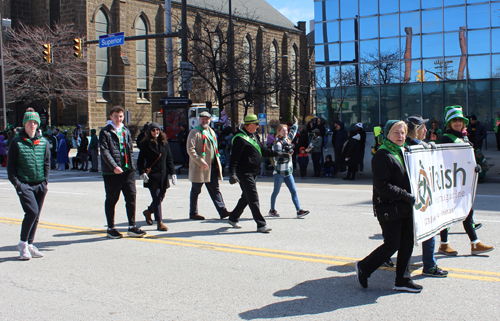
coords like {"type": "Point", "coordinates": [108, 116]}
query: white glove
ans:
{"type": "Point", "coordinates": [424, 144]}
{"type": "Point", "coordinates": [145, 177]}
{"type": "Point", "coordinates": [174, 179]}
{"type": "Point", "coordinates": [433, 145]}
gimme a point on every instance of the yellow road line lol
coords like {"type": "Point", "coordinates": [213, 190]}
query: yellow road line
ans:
{"type": "Point", "coordinates": [255, 251]}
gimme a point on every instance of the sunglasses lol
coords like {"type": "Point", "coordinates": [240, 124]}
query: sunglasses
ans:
{"type": "Point", "coordinates": [155, 130]}
{"type": "Point", "coordinates": [456, 119]}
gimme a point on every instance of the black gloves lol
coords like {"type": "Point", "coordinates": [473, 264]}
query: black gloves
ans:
{"type": "Point", "coordinates": [233, 179]}
{"type": "Point", "coordinates": [409, 198]}
{"type": "Point", "coordinates": [478, 169]}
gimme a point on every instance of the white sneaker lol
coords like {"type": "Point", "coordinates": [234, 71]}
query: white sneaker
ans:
{"type": "Point", "coordinates": [234, 224]}
{"type": "Point", "coordinates": [264, 229]}
{"type": "Point", "coordinates": [24, 253]}
{"type": "Point", "coordinates": [35, 253]}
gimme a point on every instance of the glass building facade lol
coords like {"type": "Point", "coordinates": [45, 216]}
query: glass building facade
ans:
{"type": "Point", "coordinates": [388, 59]}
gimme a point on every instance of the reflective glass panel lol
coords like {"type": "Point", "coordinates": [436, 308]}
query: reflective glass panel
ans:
{"type": "Point", "coordinates": [388, 6]}
{"type": "Point", "coordinates": [369, 50]}
{"type": "Point", "coordinates": [454, 18]}
{"type": "Point", "coordinates": [453, 2]}
{"type": "Point", "coordinates": [389, 49]}
{"type": "Point", "coordinates": [479, 67]}
{"type": "Point", "coordinates": [495, 84]}
{"type": "Point", "coordinates": [409, 70]}
{"type": "Point", "coordinates": [480, 102]}
{"type": "Point", "coordinates": [333, 81]}
{"type": "Point", "coordinates": [390, 102]}
{"type": "Point", "coordinates": [318, 11]}
{"type": "Point", "coordinates": [407, 5]}
{"type": "Point", "coordinates": [368, 27]}
{"type": "Point", "coordinates": [478, 16]}
{"type": "Point", "coordinates": [318, 33]}
{"type": "Point", "coordinates": [495, 64]}
{"type": "Point", "coordinates": [348, 74]}
{"type": "Point", "coordinates": [495, 14]}
{"type": "Point", "coordinates": [369, 107]}
{"type": "Point", "coordinates": [333, 53]}
{"type": "Point", "coordinates": [332, 9]}
{"type": "Point", "coordinates": [453, 68]}
{"type": "Point", "coordinates": [495, 44]}
{"type": "Point", "coordinates": [332, 28]}
{"type": "Point", "coordinates": [414, 45]}
{"type": "Point", "coordinates": [411, 100]}
{"type": "Point", "coordinates": [455, 93]}
{"type": "Point", "coordinates": [452, 44]}
{"type": "Point", "coordinates": [430, 4]}
{"type": "Point", "coordinates": [431, 69]}
{"type": "Point", "coordinates": [368, 74]}
{"type": "Point", "coordinates": [321, 74]}
{"type": "Point", "coordinates": [348, 52]}
{"type": "Point", "coordinates": [320, 54]}
{"type": "Point", "coordinates": [432, 45]}
{"type": "Point", "coordinates": [476, 1]}
{"type": "Point", "coordinates": [432, 21]}
{"type": "Point", "coordinates": [348, 9]}
{"type": "Point", "coordinates": [350, 107]}
{"type": "Point", "coordinates": [478, 41]}
{"type": "Point", "coordinates": [433, 102]}
{"type": "Point", "coordinates": [442, 69]}
{"type": "Point", "coordinates": [389, 72]}
{"type": "Point", "coordinates": [389, 26]}
{"type": "Point", "coordinates": [367, 7]}
{"type": "Point", "coordinates": [347, 30]}
{"type": "Point", "coordinates": [410, 20]}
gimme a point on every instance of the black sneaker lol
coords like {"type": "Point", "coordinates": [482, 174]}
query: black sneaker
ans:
{"type": "Point", "coordinates": [388, 263]}
{"type": "Point", "coordinates": [114, 234]}
{"type": "Point", "coordinates": [302, 213]}
{"type": "Point", "coordinates": [408, 286]}
{"type": "Point", "coordinates": [477, 226]}
{"type": "Point", "coordinates": [362, 279]}
{"type": "Point", "coordinates": [135, 232]}
{"type": "Point", "coordinates": [436, 272]}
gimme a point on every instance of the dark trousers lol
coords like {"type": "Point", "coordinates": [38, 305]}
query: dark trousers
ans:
{"type": "Point", "coordinates": [398, 236]}
{"type": "Point", "coordinates": [95, 159]}
{"type": "Point", "coordinates": [213, 190]}
{"type": "Point", "coordinates": [85, 161]}
{"type": "Point", "coordinates": [339, 161]}
{"type": "Point", "coordinates": [468, 227]}
{"type": "Point", "coordinates": [113, 185]}
{"type": "Point", "coordinates": [250, 197]}
{"type": "Point", "coordinates": [303, 171]}
{"type": "Point", "coordinates": [351, 171]}
{"type": "Point", "coordinates": [157, 194]}
{"type": "Point", "coordinates": [316, 158]}
{"type": "Point", "coordinates": [31, 198]}
{"type": "Point", "coordinates": [361, 163]}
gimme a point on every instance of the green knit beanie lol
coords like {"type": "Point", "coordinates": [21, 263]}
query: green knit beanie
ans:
{"type": "Point", "coordinates": [31, 114]}
{"type": "Point", "coordinates": [388, 126]}
{"type": "Point", "coordinates": [451, 112]}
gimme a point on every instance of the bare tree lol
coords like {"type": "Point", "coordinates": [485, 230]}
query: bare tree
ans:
{"type": "Point", "coordinates": [28, 77]}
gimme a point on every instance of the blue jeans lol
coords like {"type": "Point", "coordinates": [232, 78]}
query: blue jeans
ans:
{"type": "Point", "coordinates": [428, 254]}
{"type": "Point", "coordinates": [290, 183]}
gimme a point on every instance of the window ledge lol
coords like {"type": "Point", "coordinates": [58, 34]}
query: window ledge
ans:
{"type": "Point", "coordinates": [142, 101]}
{"type": "Point", "coordinates": [102, 100]}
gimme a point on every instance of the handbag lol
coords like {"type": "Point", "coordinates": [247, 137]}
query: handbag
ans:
{"type": "Point", "coordinates": [148, 169]}
{"type": "Point", "coordinates": [309, 149]}
{"type": "Point", "coordinates": [386, 212]}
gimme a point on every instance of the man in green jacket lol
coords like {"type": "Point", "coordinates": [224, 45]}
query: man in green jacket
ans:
{"type": "Point", "coordinates": [94, 150]}
{"type": "Point", "coordinates": [28, 167]}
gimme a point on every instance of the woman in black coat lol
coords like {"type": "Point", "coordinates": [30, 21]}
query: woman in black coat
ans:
{"type": "Point", "coordinates": [155, 154]}
{"type": "Point", "coordinates": [351, 154]}
{"type": "Point", "coordinates": [392, 204]}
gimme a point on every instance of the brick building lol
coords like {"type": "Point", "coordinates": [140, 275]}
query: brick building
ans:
{"type": "Point", "coordinates": [134, 75]}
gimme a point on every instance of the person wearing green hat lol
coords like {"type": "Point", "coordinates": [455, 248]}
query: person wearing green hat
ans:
{"type": "Point", "coordinates": [392, 204]}
{"type": "Point", "coordinates": [455, 123]}
{"type": "Point", "coordinates": [28, 167]}
{"type": "Point", "coordinates": [244, 167]}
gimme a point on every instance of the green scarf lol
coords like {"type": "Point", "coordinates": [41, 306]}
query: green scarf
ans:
{"type": "Point", "coordinates": [395, 150]}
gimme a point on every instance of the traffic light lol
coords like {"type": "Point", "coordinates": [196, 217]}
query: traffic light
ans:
{"type": "Point", "coordinates": [421, 75]}
{"type": "Point", "coordinates": [78, 48]}
{"type": "Point", "coordinates": [47, 55]}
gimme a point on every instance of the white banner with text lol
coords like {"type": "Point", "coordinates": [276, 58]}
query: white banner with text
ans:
{"type": "Point", "coordinates": [444, 183]}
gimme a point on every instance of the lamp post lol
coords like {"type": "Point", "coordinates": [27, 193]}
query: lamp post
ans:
{"type": "Point", "coordinates": [230, 36]}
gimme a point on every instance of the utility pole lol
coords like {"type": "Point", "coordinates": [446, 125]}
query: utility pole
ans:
{"type": "Point", "coordinates": [3, 115]}
{"type": "Point", "coordinates": [184, 42]}
{"type": "Point", "coordinates": [230, 36]}
{"type": "Point", "coordinates": [170, 48]}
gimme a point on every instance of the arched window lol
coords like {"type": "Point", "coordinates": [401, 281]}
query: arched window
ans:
{"type": "Point", "coordinates": [273, 66]}
{"type": "Point", "coordinates": [102, 60]}
{"type": "Point", "coordinates": [294, 67]}
{"type": "Point", "coordinates": [247, 58]}
{"type": "Point", "coordinates": [142, 59]}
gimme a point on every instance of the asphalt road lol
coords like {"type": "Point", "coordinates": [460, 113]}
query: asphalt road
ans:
{"type": "Point", "coordinates": [206, 270]}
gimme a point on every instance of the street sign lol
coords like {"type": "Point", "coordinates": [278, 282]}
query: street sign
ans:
{"type": "Point", "coordinates": [262, 119]}
{"type": "Point", "coordinates": [111, 40]}
{"type": "Point", "coordinates": [175, 102]}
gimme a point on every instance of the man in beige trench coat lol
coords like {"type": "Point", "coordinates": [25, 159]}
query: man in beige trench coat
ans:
{"type": "Point", "coordinates": [204, 167]}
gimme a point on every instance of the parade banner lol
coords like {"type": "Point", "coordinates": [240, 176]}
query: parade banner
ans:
{"type": "Point", "coordinates": [444, 183]}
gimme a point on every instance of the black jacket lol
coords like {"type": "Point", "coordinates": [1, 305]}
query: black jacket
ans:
{"type": "Point", "coordinates": [448, 140]}
{"type": "Point", "coordinates": [352, 151]}
{"type": "Point", "coordinates": [158, 176]}
{"type": "Point", "coordinates": [245, 158]}
{"type": "Point", "coordinates": [477, 133]}
{"type": "Point", "coordinates": [109, 145]}
{"type": "Point", "coordinates": [390, 182]}
{"type": "Point", "coordinates": [84, 145]}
